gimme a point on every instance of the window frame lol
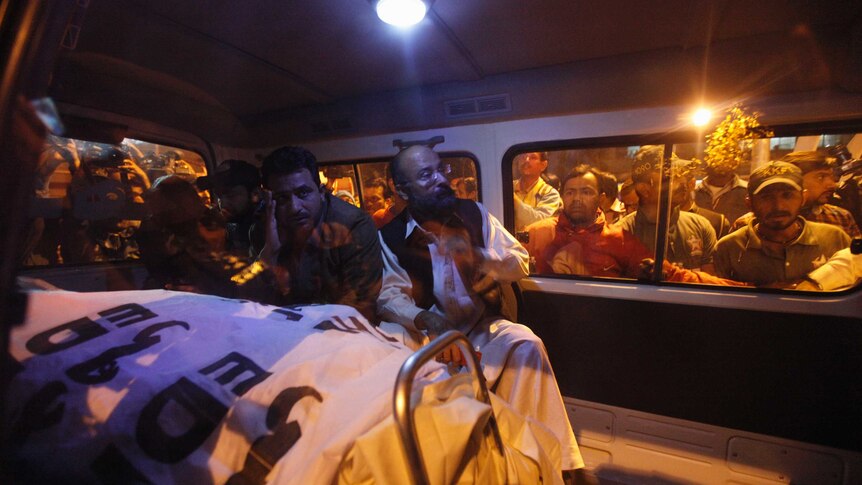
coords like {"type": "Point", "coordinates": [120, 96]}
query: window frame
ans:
{"type": "Point", "coordinates": [355, 163]}
{"type": "Point", "coordinates": [668, 140]}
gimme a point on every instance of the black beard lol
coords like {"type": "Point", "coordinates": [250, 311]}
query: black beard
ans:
{"type": "Point", "coordinates": [580, 220]}
{"type": "Point", "coordinates": [778, 227]}
{"type": "Point", "coordinates": [436, 207]}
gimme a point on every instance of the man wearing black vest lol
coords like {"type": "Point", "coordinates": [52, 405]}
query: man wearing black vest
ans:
{"type": "Point", "coordinates": [443, 261]}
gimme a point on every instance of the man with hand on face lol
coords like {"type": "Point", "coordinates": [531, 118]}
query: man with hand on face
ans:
{"type": "Point", "coordinates": [443, 260]}
{"type": "Point", "coordinates": [778, 247]}
{"type": "Point", "coordinates": [820, 183]}
{"type": "Point", "coordinates": [322, 249]}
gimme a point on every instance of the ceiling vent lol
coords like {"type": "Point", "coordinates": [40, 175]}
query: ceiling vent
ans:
{"type": "Point", "coordinates": [478, 106]}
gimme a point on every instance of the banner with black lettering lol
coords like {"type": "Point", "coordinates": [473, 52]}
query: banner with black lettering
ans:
{"type": "Point", "coordinates": [168, 387]}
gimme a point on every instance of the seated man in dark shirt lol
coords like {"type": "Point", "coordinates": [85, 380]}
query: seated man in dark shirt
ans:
{"type": "Point", "coordinates": [322, 249]}
{"type": "Point", "coordinates": [235, 184]}
{"type": "Point", "coordinates": [182, 243]}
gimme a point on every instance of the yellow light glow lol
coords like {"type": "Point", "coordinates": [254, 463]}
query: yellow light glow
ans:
{"type": "Point", "coordinates": [701, 117]}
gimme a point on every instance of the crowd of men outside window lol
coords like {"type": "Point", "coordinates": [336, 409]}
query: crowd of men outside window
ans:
{"type": "Point", "coordinates": [771, 229]}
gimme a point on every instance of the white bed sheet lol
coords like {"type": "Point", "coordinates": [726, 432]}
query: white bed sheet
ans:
{"type": "Point", "coordinates": [174, 387]}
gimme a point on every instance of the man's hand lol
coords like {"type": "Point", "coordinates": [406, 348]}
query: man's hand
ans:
{"type": "Point", "coordinates": [436, 325]}
{"type": "Point", "coordinates": [488, 288]}
{"type": "Point", "coordinates": [272, 244]}
{"type": "Point", "coordinates": [457, 246]}
{"type": "Point", "coordinates": [467, 258]}
{"type": "Point", "coordinates": [139, 176]}
{"type": "Point", "coordinates": [646, 269]}
{"type": "Point", "coordinates": [433, 323]}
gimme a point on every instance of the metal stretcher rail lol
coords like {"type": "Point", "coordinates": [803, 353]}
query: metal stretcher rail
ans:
{"type": "Point", "coordinates": [403, 389]}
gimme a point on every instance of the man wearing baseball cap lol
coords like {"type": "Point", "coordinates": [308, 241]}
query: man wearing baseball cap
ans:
{"type": "Point", "coordinates": [778, 247]}
{"type": "Point", "coordinates": [818, 181]}
{"type": "Point", "coordinates": [690, 237]}
{"type": "Point", "coordinates": [235, 184]}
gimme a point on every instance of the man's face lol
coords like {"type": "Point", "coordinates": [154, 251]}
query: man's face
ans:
{"type": "Point", "coordinates": [374, 200]}
{"type": "Point", "coordinates": [681, 187]}
{"type": "Point", "coordinates": [581, 199]}
{"type": "Point", "coordinates": [630, 201]}
{"type": "Point", "coordinates": [427, 185]}
{"type": "Point", "coordinates": [298, 199]}
{"type": "Point", "coordinates": [531, 164]}
{"type": "Point", "coordinates": [776, 206]}
{"type": "Point", "coordinates": [234, 202]}
{"type": "Point", "coordinates": [819, 185]}
{"type": "Point", "coordinates": [648, 189]}
{"type": "Point", "coordinates": [719, 170]}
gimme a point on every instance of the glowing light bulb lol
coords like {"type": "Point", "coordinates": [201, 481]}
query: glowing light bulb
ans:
{"type": "Point", "coordinates": [701, 117]}
{"type": "Point", "coordinates": [401, 13]}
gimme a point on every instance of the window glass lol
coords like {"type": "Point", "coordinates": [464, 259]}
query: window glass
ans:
{"type": "Point", "coordinates": [830, 172]}
{"type": "Point", "coordinates": [712, 235]}
{"type": "Point", "coordinates": [570, 207]}
{"type": "Point", "coordinates": [88, 198]}
{"type": "Point", "coordinates": [340, 179]}
{"type": "Point", "coordinates": [378, 193]}
{"type": "Point", "coordinates": [380, 199]}
{"type": "Point", "coordinates": [464, 179]}
{"type": "Point", "coordinates": [834, 187]}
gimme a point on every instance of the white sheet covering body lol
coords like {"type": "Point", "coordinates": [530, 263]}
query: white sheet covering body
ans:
{"type": "Point", "coordinates": [456, 443]}
{"type": "Point", "coordinates": [167, 387]}
{"type": "Point", "coordinates": [181, 388]}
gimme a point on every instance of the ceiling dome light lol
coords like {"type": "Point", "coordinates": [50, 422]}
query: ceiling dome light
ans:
{"type": "Point", "coordinates": [401, 13]}
{"type": "Point", "coordinates": [701, 117]}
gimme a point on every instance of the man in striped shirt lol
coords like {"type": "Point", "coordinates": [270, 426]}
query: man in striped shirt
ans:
{"type": "Point", "coordinates": [534, 198]}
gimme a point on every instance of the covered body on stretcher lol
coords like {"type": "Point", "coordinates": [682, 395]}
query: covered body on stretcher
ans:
{"type": "Point", "coordinates": [167, 387]}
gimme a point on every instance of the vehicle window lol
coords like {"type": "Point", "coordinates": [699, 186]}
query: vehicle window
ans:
{"type": "Point", "coordinates": [566, 200]}
{"type": "Point", "coordinates": [374, 191]}
{"type": "Point", "coordinates": [596, 212]}
{"type": "Point", "coordinates": [340, 180]}
{"type": "Point", "coordinates": [829, 173]}
{"type": "Point", "coordinates": [378, 193]}
{"type": "Point", "coordinates": [88, 198]}
{"type": "Point", "coordinates": [464, 178]}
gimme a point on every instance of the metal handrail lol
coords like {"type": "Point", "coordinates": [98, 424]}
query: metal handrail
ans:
{"type": "Point", "coordinates": [404, 387]}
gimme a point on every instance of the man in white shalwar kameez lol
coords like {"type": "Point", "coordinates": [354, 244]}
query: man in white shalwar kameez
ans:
{"type": "Point", "coordinates": [444, 259]}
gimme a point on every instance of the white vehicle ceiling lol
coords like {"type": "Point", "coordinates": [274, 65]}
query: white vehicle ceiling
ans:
{"type": "Point", "coordinates": [259, 71]}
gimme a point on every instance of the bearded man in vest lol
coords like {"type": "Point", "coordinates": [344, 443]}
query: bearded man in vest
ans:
{"type": "Point", "coordinates": [444, 259]}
